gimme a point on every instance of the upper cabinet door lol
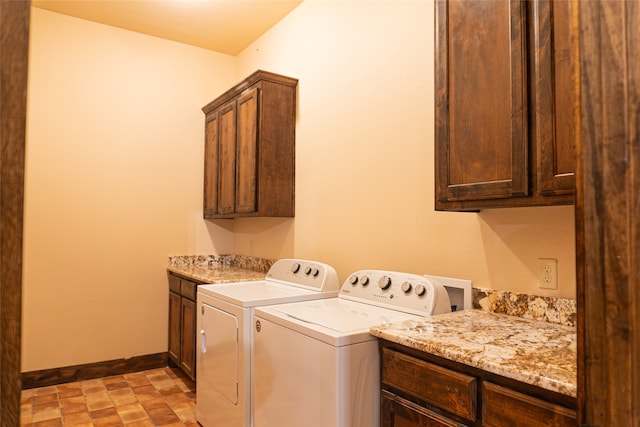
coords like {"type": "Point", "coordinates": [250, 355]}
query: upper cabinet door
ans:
{"type": "Point", "coordinates": [555, 89]}
{"type": "Point", "coordinates": [507, 103]}
{"type": "Point", "coordinates": [227, 159]}
{"type": "Point", "coordinates": [211, 165]}
{"type": "Point", "coordinates": [481, 100]}
{"type": "Point", "coordinates": [246, 177]}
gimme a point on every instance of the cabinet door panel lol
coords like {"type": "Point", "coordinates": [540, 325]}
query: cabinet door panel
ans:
{"type": "Point", "coordinates": [555, 94]}
{"type": "Point", "coordinates": [247, 163]}
{"type": "Point", "coordinates": [174, 327]}
{"type": "Point", "coordinates": [227, 162]}
{"type": "Point", "coordinates": [481, 101]}
{"type": "Point", "coordinates": [188, 358]}
{"type": "Point", "coordinates": [211, 165]}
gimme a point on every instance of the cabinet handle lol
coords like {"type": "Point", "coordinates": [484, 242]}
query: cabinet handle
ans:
{"type": "Point", "coordinates": [203, 341]}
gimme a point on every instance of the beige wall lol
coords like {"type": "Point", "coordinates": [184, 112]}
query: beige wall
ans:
{"type": "Point", "coordinates": [114, 173]}
{"type": "Point", "coordinates": [113, 186]}
{"type": "Point", "coordinates": [364, 177]}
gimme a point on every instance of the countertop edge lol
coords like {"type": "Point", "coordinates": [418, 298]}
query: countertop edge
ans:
{"type": "Point", "coordinates": [537, 353]}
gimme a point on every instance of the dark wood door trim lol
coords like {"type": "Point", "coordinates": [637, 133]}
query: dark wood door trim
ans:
{"type": "Point", "coordinates": [14, 47]}
{"type": "Point", "coordinates": [608, 215]}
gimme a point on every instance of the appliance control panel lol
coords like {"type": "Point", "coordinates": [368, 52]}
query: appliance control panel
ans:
{"type": "Point", "coordinates": [406, 292]}
{"type": "Point", "coordinates": [305, 274]}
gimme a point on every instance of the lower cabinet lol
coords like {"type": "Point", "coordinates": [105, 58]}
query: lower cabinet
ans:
{"type": "Point", "coordinates": [182, 324]}
{"type": "Point", "coordinates": [417, 391]}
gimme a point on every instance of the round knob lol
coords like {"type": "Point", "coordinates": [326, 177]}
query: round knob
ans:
{"type": "Point", "coordinates": [353, 279]}
{"type": "Point", "coordinates": [420, 290]}
{"type": "Point", "coordinates": [364, 281]}
{"type": "Point", "coordinates": [315, 272]}
{"type": "Point", "coordinates": [406, 287]}
{"type": "Point", "coordinates": [295, 267]}
{"type": "Point", "coordinates": [307, 270]}
{"type": "Point", "coordinates": [384, 282]}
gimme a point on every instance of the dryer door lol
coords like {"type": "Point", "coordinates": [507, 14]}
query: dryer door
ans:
{"type": "Point", "coordinates": [219, 352]}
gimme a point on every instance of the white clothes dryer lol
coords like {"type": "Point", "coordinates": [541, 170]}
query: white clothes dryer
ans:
{"type": "Point", "coordinates": [316, 365]}
{"type": "Point", "coordinates": [224, 361]}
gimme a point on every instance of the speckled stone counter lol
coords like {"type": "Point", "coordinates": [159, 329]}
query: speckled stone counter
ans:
{"type": "Point", "coordinates": [534, 352]}
{"type": "Point", "coordinates": [219, 268]}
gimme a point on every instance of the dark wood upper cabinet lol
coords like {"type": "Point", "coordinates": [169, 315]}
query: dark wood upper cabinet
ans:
{"type": "Point", "coordinates": [507, 103]}
{"type": "Point", "coordinates": [250, 149]}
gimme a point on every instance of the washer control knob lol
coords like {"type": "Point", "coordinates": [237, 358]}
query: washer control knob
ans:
{"type": "Point", "coordinates": [420, 290]}
{"type": "Point", "coordinates": [406, 287]}
{"type": "Point", "coordinates": [364, 280]}
{"type": "Point", "coordinates": [384, 282]}
{"type": "Point", "coordinates": [353, 279]}
{"type": "Point", "coordinates": [295, 267]}
{"type": "Point", "coordinates": [315, 271]}
{"type": "Point", "coordinates": [307, 270]}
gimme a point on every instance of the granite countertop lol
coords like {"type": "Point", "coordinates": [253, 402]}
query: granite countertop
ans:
{"type": "Point", "coordinates": [219, 268]}
{"type": "Point", "coordinates": [534, 352]}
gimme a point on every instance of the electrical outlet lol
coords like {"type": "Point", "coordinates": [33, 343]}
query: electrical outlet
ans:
{"type": "Point", "coordinates": [548, 273]}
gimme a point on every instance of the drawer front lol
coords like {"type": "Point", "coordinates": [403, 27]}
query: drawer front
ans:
{"type": "Point", "coordinates": [188, 289]}
{"type": "Point", "coordinates": [448, 390]}
{"type": "Point", "coordinates": [505, 407]}
{"type": "Point", "coordinates": [399, 412]}
{"type": "Point", "coordinates": [174, 283]}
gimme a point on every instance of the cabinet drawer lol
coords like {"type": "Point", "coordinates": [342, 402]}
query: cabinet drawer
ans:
{"type": "Point", "coordinates": [505, 407]}
{"type": "Point", "coordinates": [174, 283]}
{"type": "Point", "coordinates": [400, 412]}
{"type": "Point", "coordinates": [448, 390]}
{"type": "Point", "coordinates": [188, 289]}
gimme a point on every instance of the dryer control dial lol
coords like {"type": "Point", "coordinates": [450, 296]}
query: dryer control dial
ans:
{"type": "Point", "coordinates": [384, 282]}
{"type": "Point", "coordinates": [406, 287]}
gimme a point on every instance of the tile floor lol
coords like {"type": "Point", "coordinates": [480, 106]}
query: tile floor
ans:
{"type": "Point", "coordinates": [158, 397]}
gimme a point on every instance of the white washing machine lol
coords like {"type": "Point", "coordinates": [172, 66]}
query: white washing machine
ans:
{"type": "Point", "coordinates": [316, 365]}
{"type": "Point", "coordinates": [224, 363]}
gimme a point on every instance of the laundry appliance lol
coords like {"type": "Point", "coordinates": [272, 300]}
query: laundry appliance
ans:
{"type": "Point", "coordinates": [224, 364]}
{"type": "Point", "coordinates": [316, 365]}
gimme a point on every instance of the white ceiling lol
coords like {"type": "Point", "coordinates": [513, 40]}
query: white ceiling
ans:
{"type": "Point", "coordinates": [226, 26]}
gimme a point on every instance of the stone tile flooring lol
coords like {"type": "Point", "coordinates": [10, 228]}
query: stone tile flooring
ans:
{"type": "Point", "coordinates": [158, 397]}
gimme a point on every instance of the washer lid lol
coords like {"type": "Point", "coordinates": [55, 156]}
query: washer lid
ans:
{"type": "Point", "coordinates": [261, 292]}
{"type": "Point", "coordinates": [335, 321]}
{"type": "Point", "coordinates": [341, 315]}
